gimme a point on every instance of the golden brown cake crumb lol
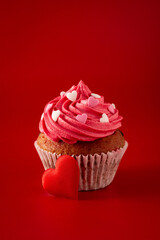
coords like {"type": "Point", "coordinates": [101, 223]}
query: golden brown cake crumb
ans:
{"type": "Point", "coordinates": [106, 144]}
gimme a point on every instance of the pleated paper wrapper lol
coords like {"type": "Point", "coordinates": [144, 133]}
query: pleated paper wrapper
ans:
{"type": "Point", "coordinates": [96, 171]}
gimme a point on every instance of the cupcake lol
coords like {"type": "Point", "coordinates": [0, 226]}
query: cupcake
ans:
{"type": "Point", "coordinates": [80, 124]}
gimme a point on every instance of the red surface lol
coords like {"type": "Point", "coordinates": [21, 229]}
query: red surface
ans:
{"type": "Point", "coordinates": [45, 48]}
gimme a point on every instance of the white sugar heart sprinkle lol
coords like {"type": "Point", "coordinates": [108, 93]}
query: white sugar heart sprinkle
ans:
{"type": "Point", "coordinates": [62, 93]}
{"type": "Point", "coordinates": [113, 105]}
{"type": "Point", "coordinates": [55, 115]}
{"type": "Point", "coordinates": [95, 95]}
{"type": "Point", "coordinates": [72, 96]}
{"type": "Point", "coordinates": [42, 116]}
{"type": "Point", "coordinates": [111, 108]}
{"type": "Point", "coordinates": [104, 118]}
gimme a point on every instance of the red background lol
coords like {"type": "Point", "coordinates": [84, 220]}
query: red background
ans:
{"type": "Point", "coordinates": [46, 48]}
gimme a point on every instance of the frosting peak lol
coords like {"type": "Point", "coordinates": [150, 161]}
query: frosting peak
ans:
{"type": "Point", "coordinates": [79, 115]}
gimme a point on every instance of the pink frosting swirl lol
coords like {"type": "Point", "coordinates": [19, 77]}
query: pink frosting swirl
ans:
{"type": "Point", "coordinates": [67, 128]}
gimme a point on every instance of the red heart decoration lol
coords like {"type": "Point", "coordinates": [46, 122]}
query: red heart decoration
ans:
{"type": "Point", "coordinates": [63, 181]}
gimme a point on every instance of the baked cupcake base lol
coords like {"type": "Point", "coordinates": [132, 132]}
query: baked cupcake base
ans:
{"type": "Point", "coordinates": [96, 171]}
{"type": "Point", "coordinates": [106, 144]}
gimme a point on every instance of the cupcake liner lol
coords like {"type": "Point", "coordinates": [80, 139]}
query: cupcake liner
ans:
{"type": "Point", "coordinates": [96, 171]}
